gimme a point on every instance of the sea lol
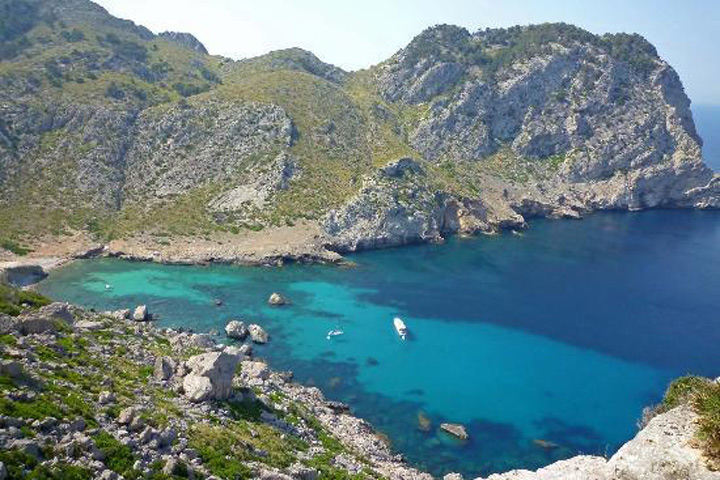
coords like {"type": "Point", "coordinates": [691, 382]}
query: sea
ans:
{"type": "Point", "coordinates": [544, 344]}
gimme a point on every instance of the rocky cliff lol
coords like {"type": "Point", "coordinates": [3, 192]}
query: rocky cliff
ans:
{"type": "Point", "coordinates": [112, 131]}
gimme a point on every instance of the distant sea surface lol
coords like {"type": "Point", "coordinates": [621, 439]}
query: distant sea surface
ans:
{"type": "Point", "coordinates": [561, 334]}
{"type": "Point", "coordinates": [707, 121]}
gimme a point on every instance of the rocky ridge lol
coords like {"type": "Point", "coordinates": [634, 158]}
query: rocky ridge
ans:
{"type": "Point", "coordinates": [121, 134]}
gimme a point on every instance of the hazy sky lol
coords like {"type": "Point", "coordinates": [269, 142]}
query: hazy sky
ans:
{"type": "Point", "coordinates": [355, 34]}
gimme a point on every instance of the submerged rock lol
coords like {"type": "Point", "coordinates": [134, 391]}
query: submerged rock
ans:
{"type": "Point", "coordinates": [424, 423]}
{"type": "Point", "coordinates": [455, 429]}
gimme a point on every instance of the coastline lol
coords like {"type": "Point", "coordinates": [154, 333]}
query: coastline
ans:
{"type": "Point", "coordinates": [271, 401]}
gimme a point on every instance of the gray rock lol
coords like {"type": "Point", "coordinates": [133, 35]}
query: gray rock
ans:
{"type": "Point", "coordinates": [57, 311]}
{"type": "Point", "coordinates": [127, 416]}
{"type": "Point", "coordinates": [30, 324]}
{"type": "Point", "coordinates": [277, 300]}
{"type": "Point", "coordinates": [236, 330]}
{"type": "Point", "coordinates": [3, 471]}
{"type": "Point", "coordinates": [106, 398]}
{"type": "Point", "coordinates": [141, 314]}
{"type": "Point", "coordinates": [11, 368]}
{"type": "Point", "coordinates": [8, 324]}
{"type": "Point", "coordinates": [210, 376]}
{"type": "Point", "coordinates": [164, 368]}
{"type": "Point", "coordinates": [258, 334]}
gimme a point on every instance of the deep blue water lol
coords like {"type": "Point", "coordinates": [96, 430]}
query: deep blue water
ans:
{"type": "Point", "coordinates": [707, 121]}
{"type": "Point", "coordinates": [562, 334]}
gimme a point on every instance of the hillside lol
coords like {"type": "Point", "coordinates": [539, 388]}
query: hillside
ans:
{"type": "Point", "coordinates": [112, 132]}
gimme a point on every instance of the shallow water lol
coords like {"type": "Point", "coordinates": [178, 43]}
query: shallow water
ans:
{"type": "Point", "coordinates": [562, 334]}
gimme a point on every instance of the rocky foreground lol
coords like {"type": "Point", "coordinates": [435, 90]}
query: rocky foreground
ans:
{"type": "Point", "coordinates": [108, 395]}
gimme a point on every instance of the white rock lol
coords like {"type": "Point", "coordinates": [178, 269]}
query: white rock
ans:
{"type": "Point", "coordinates": [236, 330]}
{"type": "Point", "coordinates": [140, 314]}
{"type": "Point", "coordinates": [258, 334]}
{"type": "Point", "coordinates": [276, 300]}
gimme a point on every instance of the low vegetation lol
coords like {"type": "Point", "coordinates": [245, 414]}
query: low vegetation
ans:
{"type": "Point", "coordinates": [703, 396]}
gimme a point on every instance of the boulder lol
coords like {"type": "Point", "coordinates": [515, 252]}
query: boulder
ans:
{"type": "Point", "coordinates": [164, 368]}
{"type": "Point", "coordinates": [277, 300]}
{"type": "Point", "coordinates": [106, 397]}
{"type": "Point", "coordinates": [258, 334]}
{"type": "Point", "coordinates": [141, 314]}
{"type": "Point", "coordinates": [254, 373]}
{"type": "Point", "coordinates": [10, 368]}
{"type": "Point", "coordinates": [242, 352]}
{"type": "Point", "coordinates": [88, 325]}
{"type": "Point", "coordinates": [127, 416]}
{"type": "Point", "coordinates": [29, 324]}
{"type": "Point", "coordinates": [210, 376]}
{"type": "Point", "coordinates": [453, 476]}
{"type": "Point", "coordinates": [8, 324]}
{"type": "Point", "coordinates": [185, 340]}
{"type": "Point", "coordinates": [123, 314]}
{"type": "Point", "coordinates": [455, 429]}
{"type": "Point", "coordinates": [236, 330]}
{"type": "Point", "coordinates": [57, 311]}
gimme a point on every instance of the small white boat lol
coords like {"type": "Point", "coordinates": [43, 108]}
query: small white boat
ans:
{"type": "Point", "coordinates": [108, 287]}
{"type": "Point", "coordinates": [400, 327]}
{"type": "Point", "coordinates": [334, 333]}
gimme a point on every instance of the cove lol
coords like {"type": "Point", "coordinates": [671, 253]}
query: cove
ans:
{"type": "Point", "coordinates": [561, 334]}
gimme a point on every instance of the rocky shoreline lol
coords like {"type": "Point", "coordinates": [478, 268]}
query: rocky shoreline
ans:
{"type": "Point", "coordinates": [80, 386]}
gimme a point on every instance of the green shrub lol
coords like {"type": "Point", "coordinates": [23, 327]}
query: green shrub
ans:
{"type": "Point", "coordinates": [12, 299]}
{"type": "Point", "coordinates": [704, 397]}
{"type": "Point", "coordinates": [14, 247]}
{"type": "Point", "coordinates": [118, 457]}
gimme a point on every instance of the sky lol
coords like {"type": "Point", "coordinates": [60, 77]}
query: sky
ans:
{"type": "Point", "coordinates": [355, 34]}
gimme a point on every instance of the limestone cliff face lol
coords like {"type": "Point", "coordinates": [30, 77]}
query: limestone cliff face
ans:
{"type": "Point", "coordinates": [663, 450]}
{"type": "Point", "coordinates": [547, 121]}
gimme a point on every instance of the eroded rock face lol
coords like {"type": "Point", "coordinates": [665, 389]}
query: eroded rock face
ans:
{"type": "Point", "coordinates": [663, 450]}
{"type": "Point", "coordinates": [210, 376]}
{"type": "Point", "coordinates": [219, 135]}
{"type": "Point", "coordinates": [187, 40]}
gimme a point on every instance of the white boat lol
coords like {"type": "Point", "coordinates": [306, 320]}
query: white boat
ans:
{"type": "Point", "coordinates": [400, 327]}
{"type": "Point", "coordinates": [334, 333]}
{"type": "Point", "coordinates": [108, 287]}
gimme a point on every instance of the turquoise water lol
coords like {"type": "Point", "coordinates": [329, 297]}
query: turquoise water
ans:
{"type": "Point", "coordinates": [562, 334]}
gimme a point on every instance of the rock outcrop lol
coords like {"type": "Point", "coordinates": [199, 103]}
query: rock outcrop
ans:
{"type": "Point", "coordinates": [210, 376]}
{"type": "Point", "coordinates": [663, 450]}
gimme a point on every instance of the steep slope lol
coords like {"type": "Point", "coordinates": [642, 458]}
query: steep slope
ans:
{"type": "Point", "coordinates": [539, 120]}
{"type": "Point", "coordinates": [108, 129]}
